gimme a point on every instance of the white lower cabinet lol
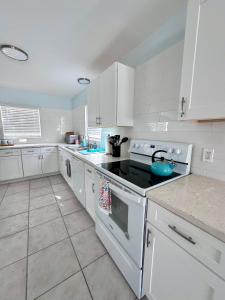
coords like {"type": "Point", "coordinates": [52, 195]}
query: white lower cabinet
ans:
{"type": "Point", "coordinates": [10, 167]}
{"type": "Point", "coordinates": [170, 270]}
{"type": "Point", "coordinates": [49, 160]}
{"type": "Point", "coordinates": [32, 164]}
{"type": "Point", "coordinates": [78, 187]}
{"type": "Point", "coordinates": [38, 161]}
{"type": "Point", "coordinates": [90, 190]}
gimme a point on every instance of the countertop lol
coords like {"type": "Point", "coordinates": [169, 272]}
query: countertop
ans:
{"type": "Point", "coordinates": [92, 159]}
{"type": "Point", "coordinates": [197, 199]}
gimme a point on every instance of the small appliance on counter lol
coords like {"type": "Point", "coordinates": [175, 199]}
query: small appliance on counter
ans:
{"type": "Point", "coordinates": [71, 138]}
{"type": "Point", "coordinates": [116, 143]}
{"type": "Point", "coordinates": [5, 142]}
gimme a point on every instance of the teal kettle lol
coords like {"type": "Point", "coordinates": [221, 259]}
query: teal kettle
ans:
{"type": "Point", "coordinates": [161, 167]}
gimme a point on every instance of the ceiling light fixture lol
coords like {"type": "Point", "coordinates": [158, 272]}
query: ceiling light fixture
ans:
{"type": "Point", "coordinates": [14, 52]}
{"type": "Point", "coordinates": [83, 80]}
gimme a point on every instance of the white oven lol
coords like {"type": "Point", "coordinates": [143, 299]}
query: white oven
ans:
{"type": "Point", "coordinates": [126, 221]}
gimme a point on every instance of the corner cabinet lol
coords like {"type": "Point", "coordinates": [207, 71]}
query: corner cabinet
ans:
{"type": "Point", "coordinates": [174, 267]}
{"type": "Point", "coordinates": [202, 94]}
{"type": "Point", "coordinates": [111, 97]}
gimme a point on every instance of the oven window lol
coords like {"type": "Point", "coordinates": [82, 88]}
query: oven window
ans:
{"type": "Point", "coordinates": [119, 213]}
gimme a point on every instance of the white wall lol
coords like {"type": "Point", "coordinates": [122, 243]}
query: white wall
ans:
{"type": "Point", "coordinates": [156, 100]}
{"type": "Point", "coordinates": [54, 123]}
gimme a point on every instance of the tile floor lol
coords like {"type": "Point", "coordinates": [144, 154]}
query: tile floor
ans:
{"type": "Point", "coordinates": [49, 249]}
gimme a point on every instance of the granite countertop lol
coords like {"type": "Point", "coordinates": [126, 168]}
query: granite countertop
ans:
{"type": "Point", "coordinates": [197, 199]}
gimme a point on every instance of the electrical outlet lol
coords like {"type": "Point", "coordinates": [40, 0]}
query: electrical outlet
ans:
{"type": "Point", "coordinates": [208, 155]}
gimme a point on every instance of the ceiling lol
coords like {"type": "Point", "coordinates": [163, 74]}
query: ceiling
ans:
{"type": "Point", "coordinates": [73, 38]}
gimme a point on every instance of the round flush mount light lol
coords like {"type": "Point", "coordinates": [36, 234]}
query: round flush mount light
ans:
{"type": "Point", "coordinates": [14, 52]}
{"type": "Point", "coordinates": [83, 80]}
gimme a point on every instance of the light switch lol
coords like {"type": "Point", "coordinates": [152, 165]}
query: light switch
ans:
{"type": "Point", "coordinates": [208, 155]}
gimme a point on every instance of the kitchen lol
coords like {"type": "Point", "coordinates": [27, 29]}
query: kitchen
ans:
{"type": "Point", "coordinates": [112, 146]}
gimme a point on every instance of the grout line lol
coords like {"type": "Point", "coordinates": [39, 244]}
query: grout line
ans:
{"type": "Point", "coordinates": [57, 284]}
{"type": "Point", "coordinates": [106, 253]}
{"type": "Point", "coordinates": [75, 253]}
{"type": "Point", "coordinates": [14, 233]}
{"type": "Point", "coordinates": [20, 213]}
{"type": "Point", "coordinates": [4, 193]}
{"type": "Point", "coordinates": [43, 206]}
{"type": "Point", "coordinates": [28, 237]}
{"type": "Point", "coordinates": [12, 263]}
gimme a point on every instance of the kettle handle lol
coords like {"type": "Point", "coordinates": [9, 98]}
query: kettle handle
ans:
{"type": "Point", "coordinates": [153, 155]}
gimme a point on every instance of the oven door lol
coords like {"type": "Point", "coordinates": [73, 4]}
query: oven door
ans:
{"type": "Point", "coordinates": [127, 220]}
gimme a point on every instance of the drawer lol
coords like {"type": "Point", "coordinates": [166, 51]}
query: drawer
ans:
{"type": "Point", "coordinates": [201, 245]}
{"type": "Point", "coordinates": [10, 152]}
{"type": "Point", "coordinates": [48, 149]}
{"type": "Point", "coordinates": [26, 151]}
{"type": "Point", "coordinates": [90, 171]}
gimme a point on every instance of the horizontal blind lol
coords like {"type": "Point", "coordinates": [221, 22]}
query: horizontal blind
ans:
{"type": "Point", "coordinates": [94, 134]}
{"type": "Point", "coordinates": [20, 121]}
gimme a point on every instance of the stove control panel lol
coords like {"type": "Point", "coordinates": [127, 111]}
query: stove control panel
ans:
{"type": "Point", "coordinates": [180, 152]}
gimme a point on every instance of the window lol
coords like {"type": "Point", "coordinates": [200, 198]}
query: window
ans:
{"type": "Point", "coordinates": [20, 122]}
{"type": "Point", "coordinates": [94, 134]}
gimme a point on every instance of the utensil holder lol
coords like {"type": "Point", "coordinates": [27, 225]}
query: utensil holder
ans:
{"type": "Point", "coordinates": [116, 150]}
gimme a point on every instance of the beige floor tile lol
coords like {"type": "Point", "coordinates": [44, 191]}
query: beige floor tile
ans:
{"type": "Point", "coordinates": [69, 206]}
{"type": "Point", "coordinates": [56, 179]}
{"type": "Point", "coordinates": [64, 195]}
{"type": "Point", "coordinates": [47, 234]}
{"type": "Point", "coordinates": [87, 246]}
{"type": "Point", "coordinates": [13, 248]}
{"type": "Point", "coordinates": [39, 183]}
{"type": "Point", "coordinates": [40, 192]}
{"type": "Point", "coordinates": [78, 221]}
{"type": "Point", "coordinates": [106, 282]}
{"type": "Point", "coordinates": [42, 201]}
{"type": "Point", "coordinates": [24, 195]}
{"type": "Point", "coordinates": [74, 288]}
{"type": "Point", "coordinates": [17, 187]}
{"type": "Point", "coordinates": [60, 187]}
{"type": "Point", "coordinates": [13, 281]}
{"type": "Point", "coordinates": [49, 267]}
{"type": "Point", "coordinates": [43, 214]}
{"type": "Point", "coordinates": [13, 224]}
{"type": "Point", "coordinates": [8, 209]}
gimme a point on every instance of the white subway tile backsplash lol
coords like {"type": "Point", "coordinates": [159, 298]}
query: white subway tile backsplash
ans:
{"type": "Point", "coordinates": [157, 88]}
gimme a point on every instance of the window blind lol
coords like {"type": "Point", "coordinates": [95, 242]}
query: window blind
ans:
{"type": "Point", "coordinates": [94, 134]}
{"type": "Point", "coordinates": [20, 121]}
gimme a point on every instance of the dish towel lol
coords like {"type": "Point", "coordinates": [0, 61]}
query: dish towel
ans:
{"type": "Point", "coordinates": [105, 199]}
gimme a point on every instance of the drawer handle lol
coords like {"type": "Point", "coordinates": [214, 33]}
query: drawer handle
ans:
{"type": "Point", "coordinates": [93, 188]}
{"type": "Point", "coordinates": [148, 237]}
{"type": "Point", "coordinates": [188, 238]}
{"type": "Point", "coordinates": [89, 171]}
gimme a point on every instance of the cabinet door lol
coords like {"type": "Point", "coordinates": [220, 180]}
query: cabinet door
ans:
{"type": "Point", "coordinates": [32, 164]}
{"type": "Point", "coordinates": [171, 273]}
{"type": "Point", "coordinates": [90, 196]}
{"type": "Point", "coordinates": [10, 167]}
{"type": "Point", "coordinates": [50, 162]}
{"type": "Point", "coordinates": [108, 96]}
{"type": "Point", "coordinates": [78, 179]}
{"type": "Point", "coordinates": [203, 73]}
{"type": "Point", "coordinates": [93, 103]}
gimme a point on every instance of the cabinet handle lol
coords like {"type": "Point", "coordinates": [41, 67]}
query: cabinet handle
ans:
{"type": "Point", "coordinates": [148, 237]}
{"type": "Point", "coordinates": [187, 238]}
{"type": "Point", "coordinates": [93, 187]}
{"type": "Point", "coordinates": [183, 101]}
{"type": "Point", "coordinates": [89, 171]}
{"type": "Point", "coordinates": [97, 120]}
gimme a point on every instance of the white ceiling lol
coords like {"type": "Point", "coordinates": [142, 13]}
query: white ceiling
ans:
{"type": "Point", "coordinates": [73, 38]}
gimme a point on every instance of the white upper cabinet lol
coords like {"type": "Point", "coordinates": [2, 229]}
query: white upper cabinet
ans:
{"type": "Point", "coordinates": [93, 103]}
{"type": "Point", "coordinates": [110, 97]}
{"type": "Point", "coordinates": [203, 73]}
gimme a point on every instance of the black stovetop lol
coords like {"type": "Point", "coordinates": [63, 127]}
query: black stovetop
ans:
{"type": "Point", "coordinates": [136, 173]}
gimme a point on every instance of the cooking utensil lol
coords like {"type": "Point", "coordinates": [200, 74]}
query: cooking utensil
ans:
{"type": "Point", "coordinates": [124, 140]}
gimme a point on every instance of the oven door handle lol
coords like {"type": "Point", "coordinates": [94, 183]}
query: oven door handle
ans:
{"type": "Point", "coordinates": [129, 196]}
